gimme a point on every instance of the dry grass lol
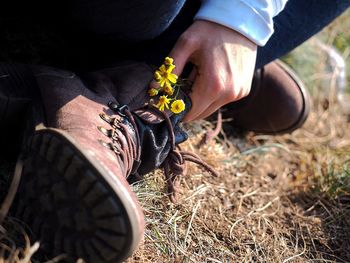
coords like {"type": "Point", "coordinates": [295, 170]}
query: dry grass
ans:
{"type": "Point", "coordinates": [277, 199]}
{"type": "Point", "coordinates": [15, 246]}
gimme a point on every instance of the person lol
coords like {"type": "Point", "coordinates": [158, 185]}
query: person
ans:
{"type": "Point", "coordinates": [94, 130]}
{"type": "Point", "coordinates": [226, 41]}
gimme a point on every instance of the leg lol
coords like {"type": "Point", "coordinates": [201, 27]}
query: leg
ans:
{"type": "Point", "coordinates": [299, 21]}
{"type": "Point", "coordinates": [126, 20]}
{"type": "Point", "coordinates": [125, 31]}
{"type": "Point", "coordinates": [16, 97]}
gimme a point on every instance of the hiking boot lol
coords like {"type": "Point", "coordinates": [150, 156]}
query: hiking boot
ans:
{"type": "Point", "coordinates": [277, 103]}
{"type": "Point", "coordinates": [97, 131]}
{"type": "Point", "coordinates": [74, 195]}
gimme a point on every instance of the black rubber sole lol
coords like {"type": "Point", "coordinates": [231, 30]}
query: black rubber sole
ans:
{"type": "Point", "coordinates": [70, 207]}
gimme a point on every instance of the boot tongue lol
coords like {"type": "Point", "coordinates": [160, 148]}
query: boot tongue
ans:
{"type": "Point", "coordinates": [155, 134]}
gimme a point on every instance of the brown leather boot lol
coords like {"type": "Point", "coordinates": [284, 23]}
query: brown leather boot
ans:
{"type": "Point", "coordinates": [278, 102]}
{"type": "Point", "coordinates": [74, 193]}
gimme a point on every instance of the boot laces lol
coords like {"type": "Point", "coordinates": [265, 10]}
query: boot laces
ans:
{"type": "Point", "coordinates": [128, 149]}
{"type": "Point", "coordinates": [174, 165]}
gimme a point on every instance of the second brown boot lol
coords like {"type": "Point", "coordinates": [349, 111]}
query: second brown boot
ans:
{"type": "Point", "coordinates": [278, 102]}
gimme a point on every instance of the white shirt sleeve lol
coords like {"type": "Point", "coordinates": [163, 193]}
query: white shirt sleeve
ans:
{"type": "Point", "coordinates": [252, 18]}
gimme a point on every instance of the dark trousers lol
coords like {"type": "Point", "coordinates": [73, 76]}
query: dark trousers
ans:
{"type": "Point", "coordinates": [105, 31]}
{"type": "Point", "coordinates": [153, 26]}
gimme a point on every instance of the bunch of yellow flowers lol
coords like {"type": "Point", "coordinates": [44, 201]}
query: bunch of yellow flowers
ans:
{"type": "Point", "coordinates": [167, 87]}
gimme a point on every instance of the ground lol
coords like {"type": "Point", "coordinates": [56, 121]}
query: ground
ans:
{"type": "Point", "coordinates": [277, 199]}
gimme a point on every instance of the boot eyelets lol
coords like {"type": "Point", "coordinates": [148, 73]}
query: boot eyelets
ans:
{"type": "Point", "coordinates": [115, 137]}
{"type": "Point", "coordinates": [114, 106]}
{"type": "Point", "coordinates": [116, 149]}
{"type": "Point", "coordinates": [106, 118]}
{"type": "Point", "coordinates": [106, 132]}
{"type": "Point", "coordinates": [110, 146]}
{"type": "Point", "coordinates": [105, 144]}
{"type": "Point", "coordinates": [116, 124]}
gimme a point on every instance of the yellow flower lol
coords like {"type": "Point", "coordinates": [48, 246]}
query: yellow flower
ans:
{"type": "Point", "coordinates": [177, 106]}
{"type": "Point", "coordinates": [168, 90]}
{"type": "Point", "coordinates": [168, 61]}
{"type": "Point", "coordinates": [165, 75]}
{"type": "Point", "coordinates": [152, 92]}
{"type": "Point", "coordinates": [163, 103]}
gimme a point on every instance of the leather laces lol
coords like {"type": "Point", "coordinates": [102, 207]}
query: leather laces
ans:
{"type": "Point", "coordinates": [128, 150]}
{"type": "Point", "coordinates": [174, 165]}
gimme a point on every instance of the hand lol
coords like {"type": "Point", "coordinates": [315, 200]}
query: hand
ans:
{"type": "Point", "coordinates": [224, 64]}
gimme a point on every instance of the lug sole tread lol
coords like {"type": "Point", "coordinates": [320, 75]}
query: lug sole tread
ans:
{"type": "Point", "coordinates": [68, 205]}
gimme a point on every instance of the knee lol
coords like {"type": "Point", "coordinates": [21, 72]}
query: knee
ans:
{"type": "Point", "coordinates": [126, 20]}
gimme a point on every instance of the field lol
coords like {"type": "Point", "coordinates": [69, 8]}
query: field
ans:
{"type": "Point", "coordinates": [279, 198]}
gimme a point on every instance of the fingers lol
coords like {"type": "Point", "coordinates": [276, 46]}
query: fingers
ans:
{"type": "Point", "coordinates": [229, 93]}
{"type": "Point", "coordinates": [210, 93]}
{"type": "Point", "coordinates": [219, 102]}
{"type": "Point", "coordinates": [209, 111]}
{"type": "Point", "coordinates": [202, 96]}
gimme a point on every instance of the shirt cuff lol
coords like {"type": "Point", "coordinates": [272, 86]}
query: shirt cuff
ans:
{"type": "Point", "coordinates": [253, 20]}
